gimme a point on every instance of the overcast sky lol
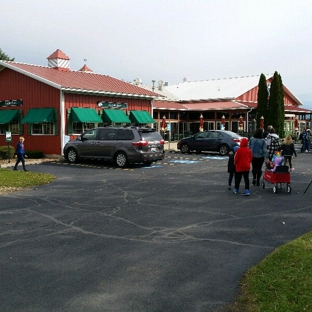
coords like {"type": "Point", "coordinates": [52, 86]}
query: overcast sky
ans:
{"type": "Point", "coordinates": [167, 39]}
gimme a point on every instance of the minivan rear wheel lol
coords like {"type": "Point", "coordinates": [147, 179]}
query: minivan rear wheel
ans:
{"type": "Point", "coordinates": [121, 160]}
{"type": "Point", "coordinates": [72, 155]}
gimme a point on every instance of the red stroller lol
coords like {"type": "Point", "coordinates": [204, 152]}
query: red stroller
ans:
{"type": "Point", "coordinates": [278, 178]}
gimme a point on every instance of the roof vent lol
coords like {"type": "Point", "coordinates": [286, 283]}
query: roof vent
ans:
{"type": "Point", "coordinates": [160, 85]}
{"type": "Point", "coordinates": [85, 69]}
{"type": "Point", "coordinates": [137, 81]}
{"type": "Point", "coordinates": [58, 60]}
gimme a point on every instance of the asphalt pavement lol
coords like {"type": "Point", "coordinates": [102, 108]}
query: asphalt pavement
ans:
{"type": "Point", "coordinates": [170, 237]}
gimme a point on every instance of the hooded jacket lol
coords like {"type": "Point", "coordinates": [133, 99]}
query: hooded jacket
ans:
{"type": "Point", "coordinates": [243, 157]}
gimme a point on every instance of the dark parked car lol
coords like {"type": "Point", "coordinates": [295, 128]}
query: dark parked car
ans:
{"type": "Point", "coordinates": [221, 141]}
{"type": "Point", "coordinates": [122, 145]}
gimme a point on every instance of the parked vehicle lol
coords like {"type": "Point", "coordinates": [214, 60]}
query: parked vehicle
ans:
{"type": "Point", "coordinates": [221, 141]}
{"type": "Point", "coordinates": [122, 145]}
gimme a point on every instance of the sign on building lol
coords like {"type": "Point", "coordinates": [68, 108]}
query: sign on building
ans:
{"type": "Point", "coordinates": [111, 105]}
{"type": "Point", "coordinates": [8, 103]}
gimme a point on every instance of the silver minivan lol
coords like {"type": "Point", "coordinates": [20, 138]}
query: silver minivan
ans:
{"type": "Point", "coordinates": [122, 145]}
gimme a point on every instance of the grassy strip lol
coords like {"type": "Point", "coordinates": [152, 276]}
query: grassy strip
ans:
{"type": "Point", "coordinates": [281, 282]}
{"type": "Point", "coordinates": [20, 179]}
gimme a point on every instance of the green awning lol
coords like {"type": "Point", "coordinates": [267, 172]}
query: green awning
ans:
{"type": "Point", "coordinates": [80, 114]}
{"type": "Point", "coordinates": [141, 117]}
{"type": "Point", "coordinates": [113, 115]}
{"type": "Point", "coordinates": [39, 115]}
{"type": "Point", "coordinates": [6, 116]}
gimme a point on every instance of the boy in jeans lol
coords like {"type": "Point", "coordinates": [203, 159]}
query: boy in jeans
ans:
{"type": "Point", "coordinates": [242, 160]}
{"type": "Point", "coordinates": [20, 154]}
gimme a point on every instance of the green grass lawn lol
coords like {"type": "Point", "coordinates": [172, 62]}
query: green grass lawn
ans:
{"type": "Point", "coordinates": [280, 282]}
{"type": "Point", "coordinates": [19, 179]}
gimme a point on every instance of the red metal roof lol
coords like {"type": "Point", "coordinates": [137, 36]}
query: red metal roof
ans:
{"type": "Point", "coordinates": [78, 81]}
{"type": "Point", "coordinates": [58, 54]}
{"type": "Point", "coordinates": [215, 106]}
{"type": "Point", "coordinates": [199, 106]}
{"type": "Point", "coordinates": [297, 109]}
{"type": "Point", "coordinates": [168, 105]}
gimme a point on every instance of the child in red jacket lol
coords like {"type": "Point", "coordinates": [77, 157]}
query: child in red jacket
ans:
{"type": "Point", "coordinates": [242, 160]}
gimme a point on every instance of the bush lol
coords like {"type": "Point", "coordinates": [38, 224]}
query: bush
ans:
{"type": "Point", "coordinates": [31, 154]}
{"type": "Point", "coordinates": [4, 152]}
{"type": "Point", "coordinates": [35, 154]}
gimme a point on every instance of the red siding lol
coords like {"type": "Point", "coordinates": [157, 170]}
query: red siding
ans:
{"type": "Point", "coordinates": [77, 100]}
{"type": "Point", "coordinates": [250, 96]}
{"type": "Point", "coordinates": [34, 94]}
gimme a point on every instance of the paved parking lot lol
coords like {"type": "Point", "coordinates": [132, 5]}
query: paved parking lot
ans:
{"type": "Point", "coordinates": [169, 237]}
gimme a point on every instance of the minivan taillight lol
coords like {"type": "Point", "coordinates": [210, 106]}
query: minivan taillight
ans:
{"type": "Point", "coordinates": [236, 140]}
{"type": "Point", "coordinates": [162, 142]}
{"type": "Point", "coordinates": [140, 143]}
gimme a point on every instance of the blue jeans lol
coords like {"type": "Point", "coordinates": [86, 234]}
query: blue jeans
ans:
{"type": "Point", "coordinates": [305, 146]}
{"type": "Point", "coordinates": [20, 158]}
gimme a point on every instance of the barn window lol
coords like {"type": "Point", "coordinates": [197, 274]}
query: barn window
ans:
{"type": "Point", "coordinates": [41, 121]}
{"type": "Point", "coordinates": [80, 127]}
{"type": "Point", "coordinates": [43, 128]}
{"type": "Point", "coordinates": [12, 127]}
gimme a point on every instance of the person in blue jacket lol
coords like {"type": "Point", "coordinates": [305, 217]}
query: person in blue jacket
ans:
{"type": "Point", "coordinates": [20, 154]}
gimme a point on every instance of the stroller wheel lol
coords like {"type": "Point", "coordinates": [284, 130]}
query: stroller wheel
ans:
{"type": "Point", "coordinates": [274, 188]}
{"type": "Point", "coordinates": [288, 188]}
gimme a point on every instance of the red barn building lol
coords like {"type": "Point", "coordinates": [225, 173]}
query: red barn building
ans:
{"type": "Point", "coordinates": [48, 105]}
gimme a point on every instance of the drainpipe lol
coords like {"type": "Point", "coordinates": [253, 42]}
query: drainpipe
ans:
{"type": "Point", "coordinates": [152, 110]}
{"type": "Point", "coordinates": [247, 119]}
{"type": "Point", "coordinates": [62, 123]}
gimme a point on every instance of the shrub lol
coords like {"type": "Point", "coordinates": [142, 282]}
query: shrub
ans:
{"type": "Point", "coordinates": [4, 152]}
{"type": "Point", "coordinates": [31, 154]}
{"type": "Point", "coordinates": [35, 154]}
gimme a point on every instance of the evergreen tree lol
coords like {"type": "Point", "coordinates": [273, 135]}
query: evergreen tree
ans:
{"type": "Point", "coordinates": [5, 57]}
{"type": "Point", "coordinates": [280, 118]}
{"type": "Point", "coordinates": [276, 110]}
{"type": "Point", "coordinates": [262, 107]}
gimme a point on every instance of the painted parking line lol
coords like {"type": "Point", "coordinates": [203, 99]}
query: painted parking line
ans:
{"type": "Point", "coordinates": [184, 161]}
{"type": "Point", "coordinates": [153, 166]}
{"type": "Point", "coordinates": [215, 157]}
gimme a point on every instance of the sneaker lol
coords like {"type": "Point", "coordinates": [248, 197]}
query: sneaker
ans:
{"type": "Point", "coordinates": [229, 187]}
{"type": "Point", "coordinates": [26, 170]}
{"type": "Point", "coordinates": [246, 193]}
{"type": "Point", "coordinates": [14, 169]}
{"type": "Point", "coordinates": [235, 191]}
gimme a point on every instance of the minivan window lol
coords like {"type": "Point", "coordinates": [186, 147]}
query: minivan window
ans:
{"type": "Point", "coordinates": [107, 134]}
{"type": "Point", "coordinates": [151, 136]}
{"type": "Point", "coordinates": [124, 134]}
{"type": "Point", "coordinates": [89, 135]}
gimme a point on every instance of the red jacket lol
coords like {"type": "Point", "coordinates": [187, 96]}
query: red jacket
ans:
{"type": "Point", "coordinates": [243, 157]}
